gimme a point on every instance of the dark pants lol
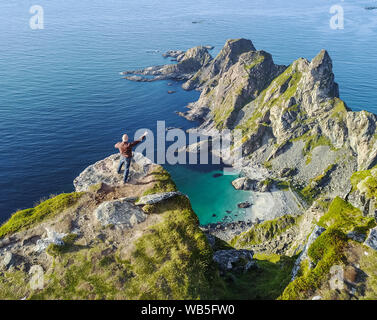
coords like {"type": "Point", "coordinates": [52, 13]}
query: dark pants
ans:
{"type": "Point", "coordinates": [127, 162]}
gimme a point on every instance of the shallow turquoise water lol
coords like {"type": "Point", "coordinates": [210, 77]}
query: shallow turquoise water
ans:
{"type": "Point", "coordinates": [213, 198]}
{"type": "Point", "coordinates": [63, 104]}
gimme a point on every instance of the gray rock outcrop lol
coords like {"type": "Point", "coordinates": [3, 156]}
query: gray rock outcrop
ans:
{"type": "Point", "coordinates": [157, 197]}
{"type": "Point", "coordinates": [304, 254]}
{"type": "Point", "coordinates": [234, 260]}
{"type": "Point", "coordinates": [53, 237]}
{"type": "Point", "coordinates": [7, 260]}
{"type": "Point", "coordinates": [371, 241]}
{"type": "Point", "coordinates": [245, 183]}
{"type": "Point", "coordinates": [119, 212]}
{"type": "Point", "coordinates": [105, 171]}
{"type": "Point", "coordinates": [189, 63]}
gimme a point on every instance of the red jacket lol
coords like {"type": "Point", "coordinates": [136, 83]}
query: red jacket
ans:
{"type": "Point", "coordinates": [125, 148]}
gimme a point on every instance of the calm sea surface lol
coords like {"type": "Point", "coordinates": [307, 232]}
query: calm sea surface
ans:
{"type": "Point", "coordinates": [63, 104]}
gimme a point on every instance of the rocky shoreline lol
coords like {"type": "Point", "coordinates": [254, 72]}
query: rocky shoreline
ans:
{"type": "Point", "coordinates": [302, 147]}
{"type": "Point", "coordinates": [309, 162]}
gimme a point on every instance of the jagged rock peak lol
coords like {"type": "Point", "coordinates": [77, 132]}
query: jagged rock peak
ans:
{"type": "Point", "coordinates": [321, 70]}
{"type": "Point", "coordinates": [235, 47]}
{"type": "Point", "coordinates": [321, 59]}
{"type": "Point", "coordinates": [230, 53]}
{"type": "Point", "coordinates": [199, 53]}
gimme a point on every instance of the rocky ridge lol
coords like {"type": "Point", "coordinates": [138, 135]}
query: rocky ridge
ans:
{"type": "Point", "coordinates": [101, 242]}
{"type": "Point", "coordinates": [301, 140]}
{"type": "Point", "coordinates": [300, 143]}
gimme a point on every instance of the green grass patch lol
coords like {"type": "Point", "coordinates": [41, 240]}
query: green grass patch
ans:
{"type": "Point", "coordinates": [24, 219]}
{"type": "Point", "coordinates": [13, 285]}
{"type": "Point", "coordinates": [266, 282]}
{"type": "Point", "coordinates": [326, 251]}
{"type": "Point", "coordinates": [68, 243]}
{"type": "Point", "coordinates": [162, 182]}
{"type": "Point", "coordinates": [340, 109]}
{"type": "Point", "coordinates": [329, 248]}
{"type": "Point", "coordinates": [258, 60]}
{"type": "Point", "coordinates": [366, 182]}
{"type": "Point", "coordinates": [264, 231]}
{"type": "Point", "coordinates": [174, 259]}
{"type": "Point", "coordinates": [345, 217]}
{"type": "Point", "coordinates": [311, 191]}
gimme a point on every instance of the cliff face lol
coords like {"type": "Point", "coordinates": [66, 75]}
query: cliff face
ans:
{"type": "Point", "coordinates": [109, 241]}
{"type": "Point", "coordinates": [143, 241]}
{"type": "Point", "coordinates": [292, 118]}
{"type": "Point", "coordinates": [231, 80]}
{"type": "Point", "coordinates": [295, 125]}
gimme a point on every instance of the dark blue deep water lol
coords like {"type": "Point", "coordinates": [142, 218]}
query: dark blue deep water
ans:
{"type": "Point", "coordinates": [63, 104]}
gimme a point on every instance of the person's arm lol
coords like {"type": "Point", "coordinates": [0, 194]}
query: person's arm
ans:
{"type": "Point", "coordinates": [117, 145]}
{"type": "Point", "coordinates": [134, 143]}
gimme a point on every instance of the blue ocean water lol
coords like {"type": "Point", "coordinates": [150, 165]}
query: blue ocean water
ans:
{"type": "Point", "coordinates": [63, 104]}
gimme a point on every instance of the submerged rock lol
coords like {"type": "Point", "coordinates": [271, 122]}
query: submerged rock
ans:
{"type": "Point", "coordinates": [244, 205]}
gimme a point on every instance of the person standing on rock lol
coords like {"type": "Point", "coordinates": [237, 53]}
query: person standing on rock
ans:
{"type": "Point", "coordinates": [125, 149]}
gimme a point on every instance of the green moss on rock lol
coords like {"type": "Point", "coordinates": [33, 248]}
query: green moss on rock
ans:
{"type": "Point", "coordinates": [258, 60]}
{"type": "Point", "coordinates": [312, 190]}
{"type": "Point", "coordinates": [345, 217]}
{"type": "Point", "coordinates": [365, 182]}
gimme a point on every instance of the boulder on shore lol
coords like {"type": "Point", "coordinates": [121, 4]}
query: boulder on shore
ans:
{"type": "Point", "coordinates": [245, 183]}
{"type": "Point", "coordinates": [244, 205]}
